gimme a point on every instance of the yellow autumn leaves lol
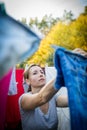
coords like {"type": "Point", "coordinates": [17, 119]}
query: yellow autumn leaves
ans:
{"type": "Point", "coordinates": [69, 35]}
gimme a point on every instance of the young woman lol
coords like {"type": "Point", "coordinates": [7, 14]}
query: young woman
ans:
{"type": "Point", "coordinates": [37, 112]}
{"type": "Point", "coordinates": [38, 106]}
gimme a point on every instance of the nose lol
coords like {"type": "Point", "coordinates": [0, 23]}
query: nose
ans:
{"type": "Point", "coordinates": [41, 74]}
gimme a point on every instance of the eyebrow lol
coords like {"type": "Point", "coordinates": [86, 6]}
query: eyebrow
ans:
{"type": "Point", "coordinates": [37, 71]}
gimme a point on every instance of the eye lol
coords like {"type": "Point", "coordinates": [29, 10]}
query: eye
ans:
{"type": "Point", "coordinates": [34, 73]}
{"type": "Point", "coordinates": [42, 72]}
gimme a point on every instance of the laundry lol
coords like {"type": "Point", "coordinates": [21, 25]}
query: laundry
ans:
{"type": "Point", "coordinates": [17, 42]}
{"type": "Point", "coordinates": [72, 73]}
{"type": "Point", "coordinates": [4, 83]}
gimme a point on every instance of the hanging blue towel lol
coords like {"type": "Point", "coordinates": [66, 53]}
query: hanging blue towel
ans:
{"type": "Point", "coordinates": [17, 41]}
{"type": "Point", "coordinates": [72, 73]}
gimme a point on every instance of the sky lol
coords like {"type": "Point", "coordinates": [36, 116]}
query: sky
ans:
{"type": "Point", "coordinates": [38, 8]}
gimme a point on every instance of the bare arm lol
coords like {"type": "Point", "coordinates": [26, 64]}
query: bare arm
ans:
{"type": "Point", "coordinates": [80, 51]}
{"type": "Point", "coordinates": [62, 101]}
{"type": "Point", "coordinates": [30, 102]}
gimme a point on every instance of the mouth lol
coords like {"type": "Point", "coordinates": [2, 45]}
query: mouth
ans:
{"type": "Point", "coordinates": [41, 79]}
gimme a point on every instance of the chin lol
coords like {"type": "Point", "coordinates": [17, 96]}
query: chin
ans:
{"type": "Point", "coordinates": [42, 85]}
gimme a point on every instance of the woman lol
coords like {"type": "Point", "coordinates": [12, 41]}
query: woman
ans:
{"type": "Point", "coordinates": [37, 112]}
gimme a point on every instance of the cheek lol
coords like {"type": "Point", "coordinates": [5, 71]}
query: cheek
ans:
{"type": "Point", "coordinates": [33, 81]}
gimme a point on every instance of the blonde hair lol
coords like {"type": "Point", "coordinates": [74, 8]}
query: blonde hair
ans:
{"type": "Point", "coordinates": [26, 74]}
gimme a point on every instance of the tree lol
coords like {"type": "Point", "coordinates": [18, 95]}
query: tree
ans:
{"type": "Point", "coordinates": [67, 15]}
{"type": "Point", "coordinates": [45, 24]}
{"type": "Point", "coordinates": [70, 36]}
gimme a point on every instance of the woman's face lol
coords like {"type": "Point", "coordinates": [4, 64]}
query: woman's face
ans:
{"type": "Point", "coordinates": [36, 77]}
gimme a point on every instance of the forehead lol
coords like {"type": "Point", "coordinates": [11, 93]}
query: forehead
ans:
{"type": "Point", "coordinates": [35, 68]}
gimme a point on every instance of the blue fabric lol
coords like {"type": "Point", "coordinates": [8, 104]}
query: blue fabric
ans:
{"type": "Point", "coordinates": [17, 41]}
{"type": "Point", "coordinates": [72, 73]}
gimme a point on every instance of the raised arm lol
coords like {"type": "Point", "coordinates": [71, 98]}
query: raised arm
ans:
{"type": "Point", "coordinates": [31, 101]}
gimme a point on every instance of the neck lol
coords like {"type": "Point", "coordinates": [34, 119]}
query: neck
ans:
{"type": "Point", "coordinates": [35, 90]}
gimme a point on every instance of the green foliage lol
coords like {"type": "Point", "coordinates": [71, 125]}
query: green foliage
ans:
{"type": "Point", "coordinates": [45, 24]}
{"type": "Point", "coordinates": [67, 15]}
{"type": "Point", "coordinates": [69, 35]}
{"type": "Point", "coordinates": [24, 21]}
{"type": "Point", "coordinates": [66, 32]}
{"type": "Point", "coordinates": [49, 60]}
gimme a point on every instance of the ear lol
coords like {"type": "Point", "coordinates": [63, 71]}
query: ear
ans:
{"type": "Point", "coordinates": [28, 81]}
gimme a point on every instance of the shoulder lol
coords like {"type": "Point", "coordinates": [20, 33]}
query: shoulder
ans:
{"type": "Point", "coordinates": [24, 96]}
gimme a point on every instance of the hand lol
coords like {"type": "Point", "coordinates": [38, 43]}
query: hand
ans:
{"type": "Point", "coordinates": [80, 51]}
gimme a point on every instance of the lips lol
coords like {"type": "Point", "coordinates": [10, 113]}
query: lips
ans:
{"type": "Point", "coordinates": [42, 79]}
